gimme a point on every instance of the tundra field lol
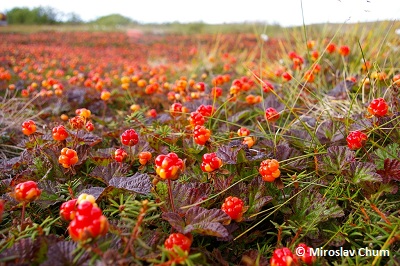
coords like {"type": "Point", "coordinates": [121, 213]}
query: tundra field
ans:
{"type": "Point", "coordinates": [267, 146]}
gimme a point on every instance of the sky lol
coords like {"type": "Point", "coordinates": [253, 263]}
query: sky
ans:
{"type": "Point", "coordinates": [283, 12]}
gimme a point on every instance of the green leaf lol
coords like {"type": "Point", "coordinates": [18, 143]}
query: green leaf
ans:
{"type": "Point", "coordinates": [336, 159]}
{"type": "Point", "coordinates": [363, 172]}
{"type": "Point", "coordinates": [257, 195]}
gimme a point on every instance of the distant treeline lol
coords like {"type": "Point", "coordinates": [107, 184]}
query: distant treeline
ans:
{"type": "Point", "coordinates": [49, 16]}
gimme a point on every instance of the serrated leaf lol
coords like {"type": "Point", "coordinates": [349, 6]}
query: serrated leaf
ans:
{"type": "Point", "coordinates": [391, 151]}
{"type": "Point", "coordinates": [139, 183]}
{"type": "Point", "coordinates": [97, 192]}
{"type": "Point", "coordinates": [22, 251]}
{"type": "Point", "coordinates": [200, 220]}
{"type": "Point", "coordinates": [63, 253]}
{"type": "Point", "coordinates": [87, 138]}
{"type": "Point", "coordinates": [284, 152]}
{"type": "Point", "coordinates": [336, 159]}
{"type": "Point", "coordinates": [106, 173]}
{"type": "Point", "coordinates": [184, 194]}
{"type": "Point", "coordinates": [363, 172]}
{"type": "Point", "coordinates": [257, 196]}
{"type": "Point", "coordinates": [228, 154]}
{"type": "Point", "coordinates": [390, 171]}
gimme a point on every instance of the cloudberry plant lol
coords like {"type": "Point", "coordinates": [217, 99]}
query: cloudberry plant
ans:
{"type": "Point", "coordinates": [178, 239]}
{"type": "Point", "coordinates": [68, 209]}
{"type": "Point", "coordinates": [89, 126]}
{"type": "Point", "coordinates": [168, 166]}
{"type": "Point", "coordinates": [243, 132]}
{"type": "Point", "coordinates": [283, 257]}
{"type": "Point", "coordinates": [249, 141]}
{"type": "Point", "coordinates": [196, 118]}
{"type": "Point", "coordinates": [378, 107]}
{"type": "Point", "coordinates": [175, 109]}
{"type": "Point", "coordinates": [271, 115]}
{"type": "Point", "coordinates": [234, 207]}
{"type": "Point", "coordinates": [129, 137]}
{"type": "Point", "coordinates": [144, 157]}
{"type": "Point", "coordinates": [119, 155]}
{"type": "Point", "coordinates": [201, 135]}
{"type": "Point", "coordinates": [269, 170]}
{"type": "Point", "coordinates": [59, 133]}
{"type": "Point", "coordinates": [68, 157]}
{"type": "Point", "coordinates": [77, 122]}
{"type": "Point", "coordinates": [206, 110]}
{"type": "Point", "coordinates": [356, 139]}
{"type": "Point", "coordinates": [88, 222]}
{"type": "Point", "coordinates": [83, 112]}
{"type": "Point", "coordinates": [28, 127]}
{"type": "Point", "coordinates": [210, 162]}
{"type": "Point", "coordinates": [306, 256]}
{"type": "Point", "coordinates": [27, 191]}
{"type": "Point", "coordinates": [344, 50]}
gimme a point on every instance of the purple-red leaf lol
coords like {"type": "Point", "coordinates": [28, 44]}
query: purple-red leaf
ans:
{"type": "Point", "coordinates": [139, 183]}
{"type": "Point", "coordinates": [390, 171]}
{"type": "Point", "coordinates": [106, 173]}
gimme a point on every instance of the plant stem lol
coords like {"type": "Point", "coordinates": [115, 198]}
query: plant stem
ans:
{"type": "Point", "coordinates": [23, 213]}
{"type": "Point", "coordinates": [171, 199]}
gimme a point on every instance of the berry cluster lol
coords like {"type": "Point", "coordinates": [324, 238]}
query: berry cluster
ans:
{"type": "Point", "coordinates": [234, 207]}
{"type": "Point", "coordinates": [59, 133]}
{"type": "Point", "coordinates": [168, 166]}
{"type": "Point", "coordinates": [28, 127]}
{"type": "Point", "coordinates": [378, 107]}
{"type": "Point", "coordinates": [210, 162]}
{"type": "Point", "coordinates": [201, 135]}
{"type": "Point", "coordinates": [271, 115]}
{"type": "Point", "coordinates": [356, 139]}
{"type": "Point", "coordinates": [86, 218]}
{"type": "Point", "coordinates": [178, 239]}
{"type": "Point", "coordinates": [27, 191]}
{"type": "Point", "coordinates": [196, 119]}
{"type": "Point", "coordinates": [68, 157]}
{"type": "Point", "coordinates": [269, 170]}
{"type": "Point", "coordinates": [283, 257]}
{"type": "Point", "coordinates": [129, 137]}
{"type": "Point", "coordinates": [144, 157]}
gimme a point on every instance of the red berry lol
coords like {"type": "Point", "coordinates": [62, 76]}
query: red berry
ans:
{"type": "Point", "coordinates": [168, 166]}
{"type": "Point", "coordinates": [286, 76]}
{"type": "Point", "coordinates": [344, 50]}
{"type": "Point", "coordinates": [68, 157]}
{"type": "Point", "coordinates": [233, 206]}
{"type": "Point", "coordinates": [206, 110]}
{"type": "Point", "coordinates": [178, 239]}
{"type": "Point", "coordinates": [201, 135]}
{"type": "Point", "coordinates": [59, 133]}
{"type": "Point", "coordinates": [27, 191]}
{"type": "Point", "coordinates": [331, 48]}
{"type": "Point", "coordinates": [119, 155]}
{"type": "Point", "coordinates": [216, 92]}
{"type": "Point", "coordinates": [175, 109]}
{"type": "Point", "coordinates": [269, 170]}
{"type": "Point", "coordinates": [378, 107]}
{"type": "Point", "coordinates": [356, 139]}
{"type": "Point", "coordinates": [129, 137]}
{"type": "Point", "coordinates": [77, 122]}
{"type": "Point", "coordinates": [83, 112]}
{"type": "Point", "coordinates": [283, 257]}
{"type": "Point", "coordinates": [89, 126]}
{"type": "Point", "coordinates": [68, 209]}
{"type": "Point", "coordinates": [196, 118]}
{"type": "Point", "coordinates": [28, 127]}
{"type": "Point", "coordinates": [144, 157]}
{"type": "Point", "coordinates": [210, 162]}
{"type": "Point", "coordinates": [267, 86]}
{"type": "Point", "coordinates": [243, 132]}
{"type": "Point", "coordinates": [249, 141]}
{"type": "Point", "coordinates": [88, 225]}
{"type": "Point", "coordinates": [306, 256]}
{"type": "Point", "coordinates": [271, 115]}
{"type": "Point", "coordinates": [200, 86]}
{"type": "Point", "coordinates": [1, 208]}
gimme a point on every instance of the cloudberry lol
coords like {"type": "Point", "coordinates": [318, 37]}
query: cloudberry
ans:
{"type": "Point", "coordinates": [201, 135]}
{"type": "Point", "coordinates": [378, 107]}
{"type": "Point", "coordinates": [283, 257]}
{"type": "Point", "coordinates": [356, 139]}
{"type": "Point", "coordinates": [119, 155]}
{"type": "Point", "coordinates": [271, 115]}
{"type": "Point", "coordinates": [68, 209]}
{"type": "Point", "coordinates": [27, 191]}
{"type": "Point", "coordinates": [144, 157]}
{"type": "Point", "coordinates": [129, 137]}
{"type": "Point", "coordinates": [269, 170]}
{"type": "Point", "coordinates": [178, 239]}
{"type": "Point", "coordinates": [168, 166]}
{"type": "Point", "coordinates": [28, 127]}
{"type": "Point", "coordinates": [210, 162]}
{"type": "Point", "coordinates": [234, 207]}
{"type": "Point", "coordinates": [68, 157]}
{"type": "Point", "coordinates": [59, 133]}
{"type": "Point", "coordinates": [307, 257]}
